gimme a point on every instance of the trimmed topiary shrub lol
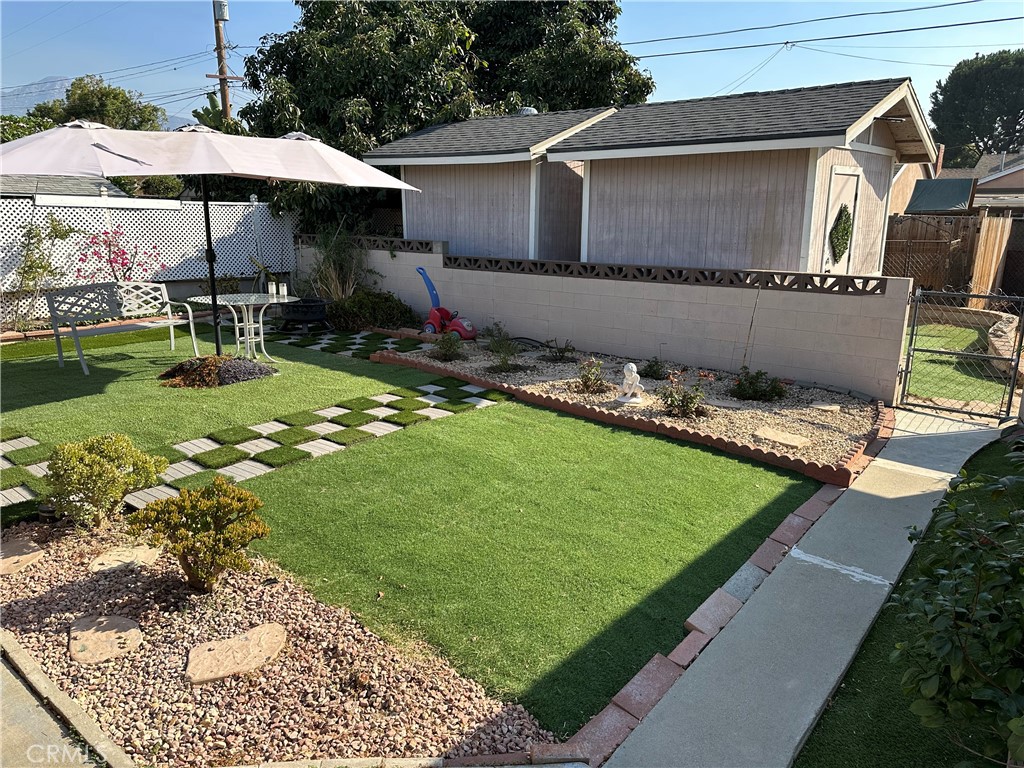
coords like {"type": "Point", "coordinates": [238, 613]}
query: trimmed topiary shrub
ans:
{"type": "Point", "coordinates": [207, 528]}
{"type": "Point", "coordinates": [90, 479]}
{"type": "Point", "coordinates": [368, 308]}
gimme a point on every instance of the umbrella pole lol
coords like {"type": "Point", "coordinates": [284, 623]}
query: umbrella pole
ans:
{"type": "Point", "coordinates": [211, 257]}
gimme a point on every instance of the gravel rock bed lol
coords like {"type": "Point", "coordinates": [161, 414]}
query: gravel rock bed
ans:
{"type": "Point", "coordinates": [336, 691]}
{"type": "Point", "coordinates": [832, 433]}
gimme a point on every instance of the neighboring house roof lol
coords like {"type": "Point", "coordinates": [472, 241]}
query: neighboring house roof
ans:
{"type": "Point", "coordinates": [799, 117]}
{"type": "Point", "coordinates": [499, 137]}
{"type": "Point", "coordinates": [987, 165]}
{"type": "Point", "coordinates": [17, 185]}
{"type": "Point", "coordinates": [941, 196]}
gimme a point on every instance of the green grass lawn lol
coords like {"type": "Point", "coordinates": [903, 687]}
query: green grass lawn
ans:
{"type": "Point", "coordinates": [946, 376]}
{"type": "Point", "coordinates": [868, 722]}
{"type": "Point", "coordinates": [122, 393]}
{"type": "Point", "coordinates": [548, 557]}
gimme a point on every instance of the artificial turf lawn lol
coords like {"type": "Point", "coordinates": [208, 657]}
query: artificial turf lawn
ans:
{"type": "Point", "coordinates": [947, 376]}
{"type": "Point", "coordinates": [293, 436]}
{"type": "Point", "coordinates": [198, 480]}
{"type": "Point", "coordinates": [56, 405]}
{"type": "Point", "coordinates": [31, 455]}
{"type": "Point", "coordinates": [234, 435]}
{"type": "Point", "coordinates": [548, 557]}
{"type": "Point", "coordinates": [359, 404]}
{"type": "Point", "coordinates": [456, 406]}
{"type": "Point", "coordinates": [407, 404]}
{"type": "Point", "coordinates": [405, 418]}
{"type": "Point", "coordinates": [348, 436]}
{"type": "Point", "coordinates": [868, 721]}
{"type": "Point", "coordinates": [13, 476]}
{"type": "Point", "coordinates": [279, 457]}
{"type": "Point", "coordinates": [220, 457]}
{"type": "Point", "coordinates": [9, 433]}
{"type": "Point", "coordinates": [354, 419]}
{"type": "Point", "coordinates": [301, 419]}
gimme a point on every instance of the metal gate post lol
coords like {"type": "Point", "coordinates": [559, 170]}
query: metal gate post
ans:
{"type": "Point", "coordinates": [909, 361]}
{"type": "Point", "coordinates": [1018, 337]}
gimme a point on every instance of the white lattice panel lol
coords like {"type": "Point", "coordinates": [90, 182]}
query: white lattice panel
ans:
{"type": "Point", "coordinates": [240, 230]}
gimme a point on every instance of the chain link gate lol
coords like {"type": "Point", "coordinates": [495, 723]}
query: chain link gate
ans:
{"type": "Point", "coordinates": [963, 352]}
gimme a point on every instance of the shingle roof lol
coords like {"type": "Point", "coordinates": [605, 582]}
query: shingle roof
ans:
{"type": "Point", "coordinates": [986, 166]}
{"type": "Point", "coordinates": [484, 135]}
{"type": "Point", "coordinates": [17, 185]}
{"type": "Point", "coordinates": [799, 112]}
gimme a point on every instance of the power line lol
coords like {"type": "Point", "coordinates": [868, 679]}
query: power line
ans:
{"type": "Point", "coordinates": [832, 37]}
{"type": "Point", "coordinates": [873, 58]}
{"type": "Point", "coordinates": [125, 69]}
{"type": "Point", "coordinates": [986, 45]}
{"type": "Point", "coordinates": [66, 31]}
{"type": "Point", "coordinates": [40, 18]}
{"type": "Point", "coordinates": [805, 21]}
{"type": "Point", "coordinates": [750, 72]}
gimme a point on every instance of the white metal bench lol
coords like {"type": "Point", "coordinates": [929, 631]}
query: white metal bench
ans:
{"type": "Point", "coordinates": [106, 301]}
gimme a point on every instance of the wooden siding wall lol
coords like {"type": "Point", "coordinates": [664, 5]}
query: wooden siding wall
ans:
{"type": "Point", "coordinates": [481, 210]}
{"type": "Point", "coordinates": [870, 217]}
{"type": "Point", "coordinates": [903, 186]}
{"type": "Point", "coordinates": [1011, 182]}
{"type": "Point", "coordinates": [729, 210]}
{"type": "Point", "coordinates": [560, 210]}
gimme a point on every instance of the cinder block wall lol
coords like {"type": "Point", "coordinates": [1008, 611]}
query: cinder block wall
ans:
{"type": "Point", "coordinates": [844, 342]}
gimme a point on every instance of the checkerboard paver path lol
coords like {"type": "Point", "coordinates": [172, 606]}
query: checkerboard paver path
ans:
{"type": "Point", "coordinates": [362, 342]}
{"type": "Point", "coordinates": [249, 468]}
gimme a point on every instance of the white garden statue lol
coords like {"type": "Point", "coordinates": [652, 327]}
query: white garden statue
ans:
{"type": "Point", "coordinates": [631, 388]}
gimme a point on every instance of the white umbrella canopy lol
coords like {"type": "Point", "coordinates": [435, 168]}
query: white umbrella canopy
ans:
{"type": "Point", "coordinates": [81, 148]}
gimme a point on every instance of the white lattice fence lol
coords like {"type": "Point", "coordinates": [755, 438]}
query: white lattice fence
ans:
{"type": "Point", "coordinates": [240, 230]}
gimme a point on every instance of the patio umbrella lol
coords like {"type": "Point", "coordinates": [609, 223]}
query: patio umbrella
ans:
{"type": "Point", "coordinates": [81, 148]}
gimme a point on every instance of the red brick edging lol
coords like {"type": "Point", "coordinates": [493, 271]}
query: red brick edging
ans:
{"type": "Point", "coordinates": [841, 473]}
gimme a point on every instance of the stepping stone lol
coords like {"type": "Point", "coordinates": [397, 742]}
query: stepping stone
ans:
{"type": "Point", "coordinates": [19, 442]}
{"type": "Point", "coordinates": [320, 447]}
{"type": "Point", "coordinates": [330, 413]}
{"type": "Point", "coordinates": [235, 656]}
{"type": "Point", "coordinates": [742, 584]}
{"type": "Point", "coordinates": [5, 463]}
{"type": "Point", "coordinates": [95, 639]}
{"type": "Point", "coordinates": [472, 388]}
{"type": "Point", "coordinates": [383, 399]}
{"type": "Point", "coordinates": [823, 406]}
{"type": "Point", "coordinates": [433, 399]}
{"type": "Point", "coordinates": [115, 558]}
{"type": "Point", "coordinates": [17, 555]}
{"type": "Point", "coordinates": [258, 445]}
{"type": "Point", "coordinates": [379, 428]}
{"type": "Point", "coordinates": [192, 447]}
{"type": "Point", "coordinates": [180, 469]}
{"type": "Point", "coordinates": [245, 470]}
{"type": "Point", "coordinates": [435, 413]}
{"type": "Point", "coordinates": [139, 499]}
{"type": "Point", "coordinates": [39, 470]}
{"type": "Point", "coordinates": [269, 427]}
{"type": "Point", "coordinates": [479, 402]}
{"type": "Point", "coordinates": [326, 427]}
{"type": "Point", "coordinates": [783, 438]}
{"type": "Point", "coordinates": [716, 402]}
{"type": "Point", "coordinates": [429, 388]}
{"type": "Point", "coordinates": [383, 410]}
{"type": "Point", "coordinates": [16, 495]}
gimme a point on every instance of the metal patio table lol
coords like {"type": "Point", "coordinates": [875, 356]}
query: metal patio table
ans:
{"type": "Point", "coordinates": [250, 329]}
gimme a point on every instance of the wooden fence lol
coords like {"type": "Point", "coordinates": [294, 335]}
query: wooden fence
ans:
{"type": "Point", "coordinates": [990, 257]}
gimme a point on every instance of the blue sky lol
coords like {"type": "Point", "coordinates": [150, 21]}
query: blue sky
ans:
{"type": "Point", "coordinates": [42, 39]}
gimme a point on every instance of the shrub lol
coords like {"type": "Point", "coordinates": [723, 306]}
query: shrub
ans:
{"type": "Point", "coordinates": [90, 479]}
{"type": "Point", "coordinates": [654, 368]}
{"type": "Point", "coordinates": [447, 348]}
{"type": "Point", "coordinates": [590, 381]}
{"type": "Point", "coordinates": [757, 386]}
{"type": "Point", "coordinates": [967, 664]}
{"type": "Point", "coordinates": [367, 307]}
{"type": "Point", "coordinates": [207, 529]}
{"type": "Point", "coordinates": [505, 349]}
{"type": "Point", "coordinates": [559, 353]}
{"type": "Point", "coordinates": [680, 400]}
{"type": "Point", "coordinates": [342, 266]}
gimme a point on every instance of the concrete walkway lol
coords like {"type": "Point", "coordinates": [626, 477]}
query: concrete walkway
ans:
{"type": "Point", "coordinates": [753, 696]}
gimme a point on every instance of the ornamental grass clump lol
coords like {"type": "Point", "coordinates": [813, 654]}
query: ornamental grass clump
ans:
{"type": "Point", "coordinates": [90, 479]}
{"type": "Point", "coordinates": [207, 528]}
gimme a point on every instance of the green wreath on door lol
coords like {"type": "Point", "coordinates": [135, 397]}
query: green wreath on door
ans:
{"type": "Point", "coordinates": [840, 234]}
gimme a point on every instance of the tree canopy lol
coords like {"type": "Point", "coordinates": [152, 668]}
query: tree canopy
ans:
{"type": "Point", "coordinates": [89, 98]}
{"type": "Point", "coordinates": [979, 108]}
{"type": "Point", "coordinates": [361, 74]}
{"type": "Point", "coordinates": [17, 126]}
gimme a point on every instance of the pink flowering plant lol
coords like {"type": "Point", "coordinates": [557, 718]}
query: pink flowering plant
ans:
{"type": "Point", "coordinates": [107, 254]}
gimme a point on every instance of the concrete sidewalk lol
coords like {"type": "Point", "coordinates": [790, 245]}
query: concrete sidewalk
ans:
{"type": "Point", "coordinates": [753, 696]}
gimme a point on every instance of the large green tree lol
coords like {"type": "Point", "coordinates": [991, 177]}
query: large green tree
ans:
{"type": "Point", "coordinates": [361, 74]}
{"type": "Point", "coordinates": [979, 108]}
{"type": "Point", "coordinates": [89, 98]}
{"type": "Point", "coordinates": [17, 126]}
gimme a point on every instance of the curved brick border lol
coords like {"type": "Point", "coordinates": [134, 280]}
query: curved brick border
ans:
{"type": "Point", "coordinates": [841, 473]}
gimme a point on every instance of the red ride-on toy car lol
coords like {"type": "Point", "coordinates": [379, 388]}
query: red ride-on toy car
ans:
{"type": "Point", "coordinates": [441, 320]}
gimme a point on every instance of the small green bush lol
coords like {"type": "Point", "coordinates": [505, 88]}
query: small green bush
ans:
{"type": "Point", "coordinates": [447, 348]}
{"type": "Point", "coordinates": [279, 457]}
{"type": "Point", "coordinates": [590, 381]}
{"type": "Point", "coordinates": [234, 435]}
{"type": "Point", "coordinates": [369, 308]}
{"type": "Point", "coordinates": [90, 479]}
{"type": "Point", "coordinates": [681, 401]}
{"type": "Point", "coordinates": [654, 368]}
{"type": "Point", "coordinates": [757, 386]}
{"type": "Point", "coordinates": [207, 528]}
{"type": "Point", "coordinates": [505, 350]}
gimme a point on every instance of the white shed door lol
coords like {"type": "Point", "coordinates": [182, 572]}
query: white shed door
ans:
{"type": "Point", "coordinates": [842, 190]}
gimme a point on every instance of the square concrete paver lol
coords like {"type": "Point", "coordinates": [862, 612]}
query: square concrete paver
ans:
{"type": "Point", "coordinates": [320, 447]}
{"type": "Point", "coordinates": [5, 463]}
{"type": "Point", "coordinates": [742, 584]}
{"type": "Point", "coordinates": [180, 469]}
{"type": "Point", "coordinates": [331, 412]}
{"type": "Point", "coordinates": [139, 499]}
{"type": "Point", "coordinates": [325, 427]}
{"type": "Point", "coordinates": [244, 470]}
{"type": "Point", "coordinates": [429, 388]}
{"type": "Point", "coordinates": [39, 470]}
{"type": "Point", "coordinates": [479, 402]}
{"type": "Point", "coordinates": [433, 399]}
{"type": "Point", "coordinates": [640, 694]}
{"type": "Point", "coordinates": [269, 427]}
{"type": "Point", "coordinates": [192, 447]}
{"type": "Point", "coordinates": [385, 398]}
{"type": "Point", "coordinates": [16, 495]}
{"type": "Point", "coordinates": [18, 442]}
{"type": "Point", "coordinates": [258, 445]}
{"type": "Point", "coordinates": [379, 428]}
{"type": "Point", "coordinates": [472, 388]}
{"type": "Point", "coordinates": [382, 411]}
{"type": "Point", "coordinates": [435, 413]}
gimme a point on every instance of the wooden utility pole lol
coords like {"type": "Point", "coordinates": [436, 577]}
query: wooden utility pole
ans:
{"type": "Point", "coordinates": [220, 15]}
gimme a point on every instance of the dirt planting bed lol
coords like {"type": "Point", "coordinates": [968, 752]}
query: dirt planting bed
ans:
{"type": "Point", "coordinates": [832, 423]}
{"type": "Point", "coordinates": [336, 691]}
